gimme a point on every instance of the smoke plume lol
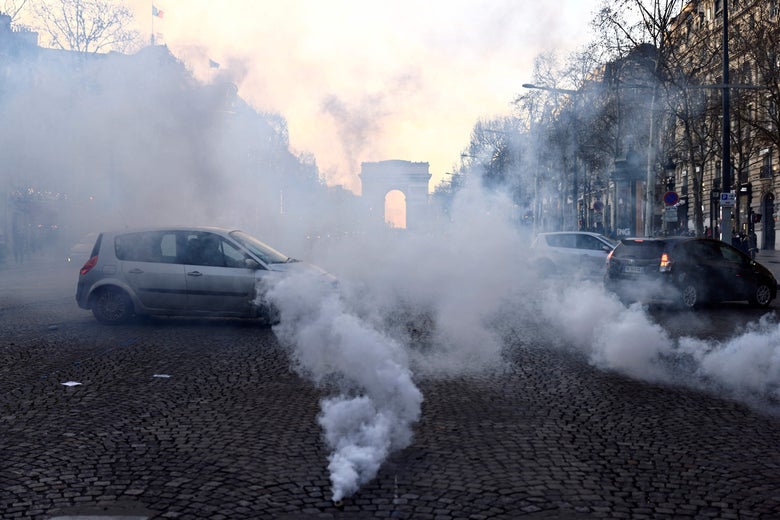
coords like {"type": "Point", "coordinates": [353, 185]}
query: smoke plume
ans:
{"type": "Point", "coordinates": [376, 402]}
{"type": "Point", "coordinates": [456, 300]}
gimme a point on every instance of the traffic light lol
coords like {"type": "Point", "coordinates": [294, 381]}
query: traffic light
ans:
{"type": "Point", "coordinates": [670, 184]}
{"type": "Point", "coordinates": [756, 217]}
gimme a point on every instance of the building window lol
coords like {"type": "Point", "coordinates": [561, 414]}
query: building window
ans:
{"type": "Point", "coordinates": [716, 176]}
{"type": "Point", "coordinates": [772, 114]}
{"type": "Point", "coordinates": [766, 166]}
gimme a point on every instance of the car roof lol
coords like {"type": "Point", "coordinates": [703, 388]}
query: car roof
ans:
{"type": "Point", "coordinates": [213, 229]}
{"type": "Point", "coordinates": [667, 240]}
{"type": "Point", "coordinates": [591, 233]}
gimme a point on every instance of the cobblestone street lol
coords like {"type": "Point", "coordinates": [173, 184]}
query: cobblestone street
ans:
{"type": "Point", "coordinates": [185, 418]}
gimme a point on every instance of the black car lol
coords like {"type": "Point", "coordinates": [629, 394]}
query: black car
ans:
{"type": "Point", "coordinates": [687, 270]}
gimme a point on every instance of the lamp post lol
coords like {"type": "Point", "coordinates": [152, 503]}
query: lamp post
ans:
{"type": "Point", "coordinates": [725, 226]}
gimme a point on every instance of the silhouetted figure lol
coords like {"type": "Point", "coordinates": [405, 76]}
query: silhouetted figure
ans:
{"type": "Point", "coordinates": [753, 244]}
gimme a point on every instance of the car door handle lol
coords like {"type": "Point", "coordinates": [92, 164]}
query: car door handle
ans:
{"type": "Point", "coordinates": [136, 271]}
{"type": "Point", "coordinates": [194, 273]}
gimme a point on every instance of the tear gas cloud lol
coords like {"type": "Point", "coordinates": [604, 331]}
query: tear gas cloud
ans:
{"type": "Point", "coordinates": [133, 142]}
{"type": "Point", "coordinates": [452, 302]}
{"type": "Point", "coordinates": [127, 141]}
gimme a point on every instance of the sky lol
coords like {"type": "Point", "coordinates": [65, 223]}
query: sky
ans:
{"type": "Point", "coordinates": [364, 81]}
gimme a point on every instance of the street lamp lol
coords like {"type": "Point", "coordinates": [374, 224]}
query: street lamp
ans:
{"type": "Point", "coordinates": [551, 89]}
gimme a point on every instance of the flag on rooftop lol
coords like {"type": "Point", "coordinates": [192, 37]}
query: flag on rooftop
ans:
{"type": "Point", "coordinates": [157, 12]}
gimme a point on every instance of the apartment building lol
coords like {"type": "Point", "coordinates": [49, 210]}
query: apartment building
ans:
{"type": "Point", "coordinates": [695, 84]}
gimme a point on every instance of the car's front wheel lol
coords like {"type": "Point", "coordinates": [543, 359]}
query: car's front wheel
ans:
{"type": "Point", "coordinates": [762, 296]}
{"type": "Point", "coordinates": [112, 305]}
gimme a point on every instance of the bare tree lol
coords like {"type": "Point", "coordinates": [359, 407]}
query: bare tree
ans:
{"type": "Point", "coordinates": [627, 25]}
{"type": "Point", "coordinates": [87, 26]}
{"type": "Point", "coordinates": [757, 41]}
{"type": "Point", "coordinates": [12, 7]}
{"type": "Point", "coordinates": [544, 142]}
{"type": "Point", "coordinates": [693, 126]}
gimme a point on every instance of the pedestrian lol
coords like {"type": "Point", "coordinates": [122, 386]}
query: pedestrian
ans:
{"type": "Point", "coordinates": [740, 241]}
{"type": "Point", "coordinates": [753, 244]}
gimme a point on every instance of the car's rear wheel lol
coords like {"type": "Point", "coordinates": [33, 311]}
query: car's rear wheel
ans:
{"type": "Point", "coordinates": [690, 294]}
{"type": "Point", "coordinates": [112, 305]}
{"type": "Point", "coordinates": [762, 296]}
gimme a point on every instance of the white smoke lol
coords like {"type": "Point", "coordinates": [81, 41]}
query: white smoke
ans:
{"type": "Point", "coordinates": [625, 339]}
{"type": "Point", "coordinates": [745, 367]}
{"type": "Point", "coordinates": [455, 301]}
{"type": "Point", "coordinates": [377, 402]}
{"type": "Point", "coordinates": [615, 337]}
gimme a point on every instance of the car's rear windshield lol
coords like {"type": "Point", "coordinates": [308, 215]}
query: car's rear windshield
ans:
{"type": "Point", "coordinates": [640, 249]}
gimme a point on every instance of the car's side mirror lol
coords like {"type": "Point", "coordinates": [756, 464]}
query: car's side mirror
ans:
{"type": "Point", "coordinates": [251, 263]}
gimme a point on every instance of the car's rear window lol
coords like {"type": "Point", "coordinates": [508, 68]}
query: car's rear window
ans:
{"type": "Point", "coordinates": [640, 249]}
{"type": "Point", "coordinates": [96, 247]}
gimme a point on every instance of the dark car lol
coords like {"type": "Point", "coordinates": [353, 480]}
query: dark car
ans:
{"type": "Point", "coordinates": [687, 270]}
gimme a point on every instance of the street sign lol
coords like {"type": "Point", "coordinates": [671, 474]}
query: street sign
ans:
{"type": "Point", "coordinates": [727, 199]}
{"type": "Point", "coordinates": [598, 205]}
{"type": "Point", "coordinates": [671, 198]}
{"type": "Point", "coordinates": [670, 215]}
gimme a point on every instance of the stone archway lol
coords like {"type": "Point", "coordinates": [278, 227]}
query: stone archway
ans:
{"type": "Point", "coordinates": [410, 178]}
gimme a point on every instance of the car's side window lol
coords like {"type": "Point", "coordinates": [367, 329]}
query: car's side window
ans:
{"type": "Point", "coordinates": [589, 242]}
{"type": "Point", "coordinates": [234, 257]}
{"type": "Point", "coordinates": [562, 240]}
{"type": "Point", "coordinates": [205, 249]}
{"type": "Point", "coordinates": [140, 247]}
{"type": "Point", "coordinates": [168, 248]}
{"type": "Point", "coordinates": [709, 252]}
{"type": "Point", "coordinates": [730, 255]}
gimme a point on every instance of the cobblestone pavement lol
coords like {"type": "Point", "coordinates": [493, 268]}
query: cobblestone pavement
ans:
{"type": "Point", "coordinates": [232, 433]}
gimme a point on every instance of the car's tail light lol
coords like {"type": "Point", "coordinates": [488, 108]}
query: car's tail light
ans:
{"type": "Point", "coordinates": [88, 265]}
{"type": "Point", "coordinates": [666, 263]}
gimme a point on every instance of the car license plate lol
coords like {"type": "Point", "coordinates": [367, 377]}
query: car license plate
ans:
{"type": "Point", "coordinates": [632, 269]}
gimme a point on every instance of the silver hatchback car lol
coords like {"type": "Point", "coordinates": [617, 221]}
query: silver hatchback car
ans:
{"type": "Point", "coordinates": [179, 271]}
{"type": "Point", "coordinates": [570, 252]}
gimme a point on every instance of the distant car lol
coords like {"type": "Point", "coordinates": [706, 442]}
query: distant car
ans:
{"type": "Point", "coordinates": [687, 270]}
{"type": "Point", "coordinates": [179, 271]}
{"type": "Point", "coordinates": [571, 251]}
